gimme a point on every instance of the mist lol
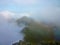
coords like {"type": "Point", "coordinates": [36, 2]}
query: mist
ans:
{"type": "Point", "coordinates": [9, 32]}
{"type": "Point", "coordinates": [45, 11]}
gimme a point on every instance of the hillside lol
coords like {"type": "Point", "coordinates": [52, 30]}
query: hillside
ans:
{"type": "Point", "coordinates": [36, 26]}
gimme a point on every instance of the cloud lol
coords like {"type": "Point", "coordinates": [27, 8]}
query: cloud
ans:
{"type": "Point", "coordinates": [19, 15]}
{"type": "Point", "coordinates": [6, 14]}
{"type": "Point", "coordinates": [48, 14]}
{"type": "Point", "coordinates": [25, 14]}
{"type": "Point", "coordinates": [9, 14]}
{"type": "Point", "coordinates": [51, 13]}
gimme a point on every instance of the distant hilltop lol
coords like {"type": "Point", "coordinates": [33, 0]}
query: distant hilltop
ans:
{"type": "Point", "coordinates": [25, 20]}
{"type": "Point", "coordinates": [29, 21]}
